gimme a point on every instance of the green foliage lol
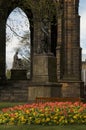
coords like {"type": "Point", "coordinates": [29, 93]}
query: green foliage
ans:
{"type": "Point", "coordinates": [44, 8]}
{"type": "Point", "coordinates": [8, 74]}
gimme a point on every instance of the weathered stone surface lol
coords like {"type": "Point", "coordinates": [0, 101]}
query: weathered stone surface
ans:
{"type": "Point", "coordinates": [44, 90]}
{"type": "Point", "coordinates": [44, 69]}
{"type": "Point", "coordinates": [71, 89]}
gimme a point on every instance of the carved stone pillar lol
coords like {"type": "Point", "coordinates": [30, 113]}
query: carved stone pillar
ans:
{"type": "Point", "coordinates": [71, 41]}
{"type": "Point", "coordinates": [59, 50]}
{"type": "Point", "coordinates": [71, 81]}
{"type": "Point", "coordinates": [2, 44]}
{"type": "Point", "coordinates": [68, 39]}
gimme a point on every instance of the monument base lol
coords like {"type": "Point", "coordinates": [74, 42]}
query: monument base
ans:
{"type": "Point", "coordinates": [43, 90]}
{"type": "Point", "coordinates": [71, 88]}
{"type": "Point", "coordinates": [44, 69]}
{"type": "Point", "coordinates": [18, 74]}
{"type": "Point", "coordinates": [26, 91]}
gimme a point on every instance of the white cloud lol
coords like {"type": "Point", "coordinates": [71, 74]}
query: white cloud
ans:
{"type": "Point", "coordinates": [84, 51]}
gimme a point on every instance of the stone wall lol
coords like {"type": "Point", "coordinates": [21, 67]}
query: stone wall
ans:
{"type": "Point", "coordinates": [26, 91]}
{"type": "Point", "coordinates": [14, 91]}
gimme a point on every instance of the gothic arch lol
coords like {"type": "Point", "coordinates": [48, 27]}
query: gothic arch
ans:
{"type": "Point", "coordinates": [21, 15]}
{"type": "Point", "coordinates": [6, 9]}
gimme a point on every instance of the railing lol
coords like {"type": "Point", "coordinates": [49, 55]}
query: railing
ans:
{"type": "Point", "coordinates": [57, 99]}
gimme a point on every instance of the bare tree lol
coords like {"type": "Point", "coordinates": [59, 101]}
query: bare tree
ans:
{"type": "Point", "coordinates": [13, 25]}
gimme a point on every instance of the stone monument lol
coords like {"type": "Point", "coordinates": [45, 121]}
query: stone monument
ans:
{"type": "Point", "coordinates": [18, 71]}
{"type": "Point", "coordinates": [55, 73]}
{"type": "Point", "coordinates": [17, 63]}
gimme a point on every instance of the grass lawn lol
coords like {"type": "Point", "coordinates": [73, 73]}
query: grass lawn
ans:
{"type": "Point", "coordinates": [38, 127]}
{"type": "Point", "coordinates": [9, 104]}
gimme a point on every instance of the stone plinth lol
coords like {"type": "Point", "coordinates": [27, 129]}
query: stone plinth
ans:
{"type": "Point", "coordinates": [43, 90]}
{"type": "Point", "coordinates": [19, 74]}
{"type": "Point", "coordinates": [44, 69]}
{"type": "Point", "coordinates": [71, 89]}
{"type": "Point", "coordinates": [44, 81]}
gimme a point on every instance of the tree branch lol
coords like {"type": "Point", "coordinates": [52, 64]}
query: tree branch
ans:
{"type": "Point", "coordinates": [14, 32]}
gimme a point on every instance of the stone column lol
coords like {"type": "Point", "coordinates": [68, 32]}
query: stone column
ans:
{"type": "Point", "coordinates": [59, 49]}
{"type": "Point", "coordinates": [71, 82]}
{"type": "Point", "coordinates": [68, 40]}
{"type": "Point", "coordinates": [76, 43]}
{"type": "Point", "coordinates": [71, 41]}
{"type": "Point", "coordinates": [2, 44]}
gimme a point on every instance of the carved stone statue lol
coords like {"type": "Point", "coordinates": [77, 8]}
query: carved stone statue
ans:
{"type": "Point", "coordinates": [17, 63]}
{"type": "Point", "coordinates": [45, 44]}
{"type": "Point", "coordinates": [45, 36]}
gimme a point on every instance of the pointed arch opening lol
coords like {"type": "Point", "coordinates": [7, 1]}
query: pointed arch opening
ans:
{"type": "Point", "coordinates": [18, 45]}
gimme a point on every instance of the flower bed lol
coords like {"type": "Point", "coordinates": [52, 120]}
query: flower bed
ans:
{"type": "Point", "coordinates": [58, 113]}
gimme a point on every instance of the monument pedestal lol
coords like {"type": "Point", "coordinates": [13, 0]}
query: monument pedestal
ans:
{"type": "Point", "coordinates": [43, 90]}
{"type": "Point", "coordinates": [44, 81]}
{"type": "Point", "coordinates": [18, 74]}
{"type": "Point", "coordinates": [44, 68]}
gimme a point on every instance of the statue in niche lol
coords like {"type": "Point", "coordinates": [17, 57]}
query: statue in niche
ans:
{"type": "Point", "coordinates": [45, 36]}
{"type": "Point", "coordinates": [17, 62]}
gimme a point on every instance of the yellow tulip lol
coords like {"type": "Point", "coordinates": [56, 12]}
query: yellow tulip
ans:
{"type": "Point", "coordinates": [47, 119]}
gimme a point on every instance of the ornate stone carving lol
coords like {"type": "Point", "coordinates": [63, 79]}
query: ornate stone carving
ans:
{"type": "Point", "coordinates": [45, 37]}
